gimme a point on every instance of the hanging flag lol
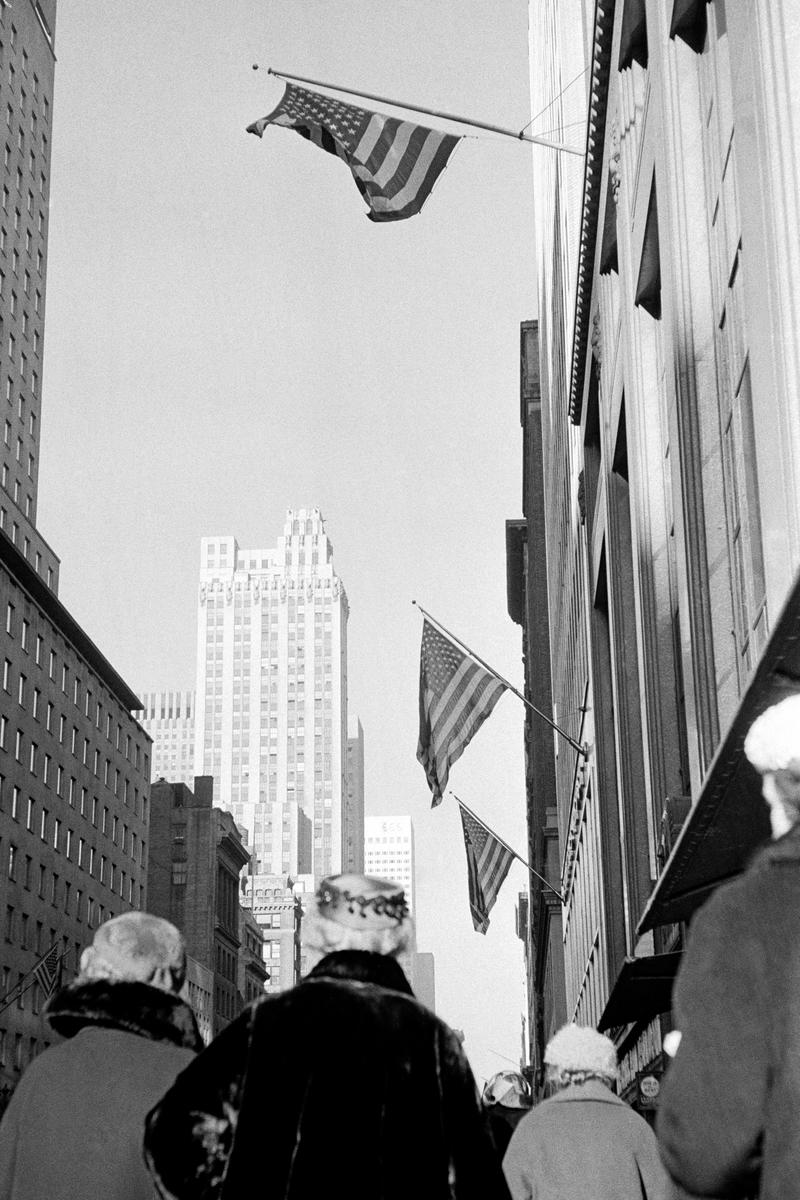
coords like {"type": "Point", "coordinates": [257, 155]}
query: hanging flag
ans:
{"type": "Point", "coordinates": [488, 862]}
{"type": "Point", "coordinates": [456, 695]}
{"type": "Point", "coordinates": [47, 971]}
{"type": "Point", "coordinates": [395, 163]}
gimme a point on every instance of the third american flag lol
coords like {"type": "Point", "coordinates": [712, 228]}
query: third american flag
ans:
{"type": "Point", "coordinates": [394, 163]}
{"type": "Point", "coordinates": [47, 971]}
{"type": "Point", "coordinates": [456, 695]}
{"type": "Point", "coordinates": [488, 861]}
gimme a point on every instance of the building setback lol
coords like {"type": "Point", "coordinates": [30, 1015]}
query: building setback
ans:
{"type": "Point", "coordinates": [669, 367]}
{"type": "Point", "coordinates": [193, 881]}
{"type": "Point", "coordinates": [169, 719]}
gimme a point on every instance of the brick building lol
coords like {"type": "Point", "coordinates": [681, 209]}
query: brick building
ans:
{"type": "Point", "coordinates": [196, 858]}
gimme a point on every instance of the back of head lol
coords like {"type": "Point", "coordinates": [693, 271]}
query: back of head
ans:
{"type": "Point", "coordinates": [136, 947]}
{"type": "Point", "coordinates": [357, 912]}
{"type": "Point", "coordinates": [772, 746]}
{"type": "Point", "coordinates": [578, 1053]}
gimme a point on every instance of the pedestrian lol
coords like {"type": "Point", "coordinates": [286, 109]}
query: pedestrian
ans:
{"type": "Point", "coordinates": [73, 1129]}
{"type": "Point", "coordinates": [506, 1099]}
{"type": "Point", "coordinates": [583, 1141]}
{"type": "Point", "coordinates": [344, 1085]}
{"type": "Point", "coordinates": [727, 1121]}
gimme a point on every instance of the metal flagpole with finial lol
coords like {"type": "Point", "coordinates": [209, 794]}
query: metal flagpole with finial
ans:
{"type": "Point", "coordinates": [520, 135]}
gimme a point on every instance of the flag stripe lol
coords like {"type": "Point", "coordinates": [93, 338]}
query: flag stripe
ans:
{"type": "Point", "coordinates": [395, 163]}
{"type": "Point", "coordinates": [488, 863]}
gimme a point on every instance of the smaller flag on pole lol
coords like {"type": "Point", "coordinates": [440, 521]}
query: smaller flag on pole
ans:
{"type": "Point", "coordinates": [488, 863]}
{"type": "Point", "coordinates": [394, 163]}
{"type": "Point", "coordinates": [47, 971]}
{"type": "Point", "coordinates": [456, 695]}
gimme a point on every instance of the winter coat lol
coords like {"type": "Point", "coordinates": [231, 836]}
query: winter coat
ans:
{"type": "Point", "coordinates": [502, 1123]}
{"type": "Point", "coordinates": [728, 1119]}
{"type": "Point", "coordinates": [584, 1143]}
{"type": "Point", "coordinates": [343, 1086]}
{"type": "Point", "coordinates": [73, 1129]}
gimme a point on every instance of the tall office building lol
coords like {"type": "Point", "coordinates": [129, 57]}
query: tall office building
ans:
{"type": "Point", "coordinates": [353, 814]}
{"type": "Point", "coordinates": [271, 710]}
{"type": "Point", "coordinates": [168, 717]}
{"type": "Point", "coordinates": [74, 765]}
{"type": "Point", "coordinates": [389, 851]}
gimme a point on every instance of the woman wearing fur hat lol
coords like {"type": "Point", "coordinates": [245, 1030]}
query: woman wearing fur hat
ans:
{"type": "Point", "coordinates": [344, 1085]}
{"type": "Point", "coordinates": [73, 1129]}
{"type": "Point", "coordinates": [584, 1141]}
{"type": "Point", "coordinates": [728, 1118]}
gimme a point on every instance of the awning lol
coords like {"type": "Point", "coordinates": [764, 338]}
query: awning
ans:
{"type": "Point", "coordinates": [642, 991]}
{"type": "Point", "coordinates": [729, 819]}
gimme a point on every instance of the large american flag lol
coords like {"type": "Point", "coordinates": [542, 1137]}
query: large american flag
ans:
{"type": "Point", "coordinates": [488, 861]}
{"type": "Point", "coordinates": [394, 163]}
{"type": "Point", "coordinates": [456, 695]}
{"type": "Point", "coordinates": [47, 971]}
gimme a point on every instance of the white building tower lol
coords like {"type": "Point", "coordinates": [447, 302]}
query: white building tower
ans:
{"type": "Point", "coordinates": [271, 707]}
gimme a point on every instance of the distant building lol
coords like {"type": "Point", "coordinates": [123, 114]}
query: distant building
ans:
{"type": "Point", "coordinates": [389, 851]}
{"type": "Point", "coordinates": [353, 805]}
{"type": "Point", "coordinates": [271, 714]}
{"type": "Point", "coordinates": [193, 881]}
{"type": "Point", "coordinates": [277, 910]}
{"type": "Point", "coordinates": [422, 977]}
{"type": "Point", "coordinates": [200, 994]}
{"type": "Point", "coordinates": [252, 975]}
{"type": "Point", "coordinates": [169, 719]}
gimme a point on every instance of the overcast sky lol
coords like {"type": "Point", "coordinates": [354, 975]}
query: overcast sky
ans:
{"type": "Point", "coordinates": [228, 335]}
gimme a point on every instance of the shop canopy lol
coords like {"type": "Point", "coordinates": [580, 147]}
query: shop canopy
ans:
{"type": "Point", "coordinates": [642, 991]}
{"type": "Point", "coordinates": [728, 820]}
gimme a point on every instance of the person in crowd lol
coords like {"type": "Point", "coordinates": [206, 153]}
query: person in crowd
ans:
{"type": "Point", "coordinates": [73, 1128]}
{"type": "Point", "coordinates": [506, 1100]}
{"type": "Point", "coordinates": [344, 1085]}
{"type": "Point", "coordinates": [583, 1140]}
{"type": "Point", "coordinates": [727, 1121]}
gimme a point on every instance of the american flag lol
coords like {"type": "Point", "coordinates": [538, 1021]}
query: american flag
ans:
{"type": "Point", "coordinates": [456, 695]}
{"type": "Point", "coordinates": [395, 163]}
{"type": "Point", "coordinates": [47, 971]}
{"type": "Point", "coordinates": [488, 861]}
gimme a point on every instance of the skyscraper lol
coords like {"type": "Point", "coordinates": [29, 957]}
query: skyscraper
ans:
{"type": "Point", "coordinates": [353, 815]}
{"type": "Point", "coordinates": [74, 765]}
{"type": "Point", "coordinates": [271, 708]}
{"type": "Point", "coordinates": [389, 851]}
{"type": "Point", "coordinates": [168, 717]}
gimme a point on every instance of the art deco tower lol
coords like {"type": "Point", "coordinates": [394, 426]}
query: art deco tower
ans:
{"type": "Point", "coordinates": [271, 707]}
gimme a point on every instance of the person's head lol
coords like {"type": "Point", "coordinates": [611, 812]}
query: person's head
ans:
{"type": "Point", "coordinates": [357, 912]}
{"type": "Point", "coordinates": [578, 1053]}
{"type": "Point", "coordinates": [772, 745]}
{"type": "Point", "coordinates": [508, 1088]}
{"type": "Point", "coordinates": [136, 948]}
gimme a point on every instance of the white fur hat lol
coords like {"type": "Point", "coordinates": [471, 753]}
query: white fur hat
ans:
{"type": "Point", "coordinates": [581, 1048]}
{"type": "Point", "coordinates": [773, 740]}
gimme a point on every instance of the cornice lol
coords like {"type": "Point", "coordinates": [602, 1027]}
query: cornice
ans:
{"type": "Point", "coordinates": [592, 193]}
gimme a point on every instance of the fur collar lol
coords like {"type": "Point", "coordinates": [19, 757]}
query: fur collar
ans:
{"type": "Point", "coordinates": [363, 966]}
{"type": "Point", "coordinates": [133, 1007]}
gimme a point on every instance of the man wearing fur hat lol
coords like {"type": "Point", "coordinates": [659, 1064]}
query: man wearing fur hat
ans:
{"type": "Point", "coordinates": [728, 1121]}
{"type": "Point", "coordinates": [343, 1086]}
{"type": "Point", "coordinates": [584, 1140]}
{"type": "Point", "coordinates": [73, 1129]}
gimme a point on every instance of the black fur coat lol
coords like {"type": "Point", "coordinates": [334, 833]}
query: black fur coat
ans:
{"type": "Point", "coordinates": [343, 1086]}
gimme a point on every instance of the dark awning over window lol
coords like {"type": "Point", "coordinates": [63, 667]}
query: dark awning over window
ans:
{"type": "Point", "coordinates": [729, 819]}
{"type": "Point", "coordinates": [642, 991]}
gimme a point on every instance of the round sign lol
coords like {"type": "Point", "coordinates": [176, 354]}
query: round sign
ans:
{"type": "Point", "coordinates": [649, 1087]}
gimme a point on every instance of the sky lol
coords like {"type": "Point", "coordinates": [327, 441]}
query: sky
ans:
{"type": "Point", "coordinates": [227, 336]}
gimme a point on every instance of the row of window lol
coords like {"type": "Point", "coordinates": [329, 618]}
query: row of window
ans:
{"type": "Point", "coordinates": [52, 829]}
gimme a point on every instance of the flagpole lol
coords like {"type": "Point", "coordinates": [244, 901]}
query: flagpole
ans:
{"type": "Point", "coordinates": [581, 749]}
{"type": "Point", "coordinates": [541, 878]}
{"type": "Point", "coordinates": [429, 112]}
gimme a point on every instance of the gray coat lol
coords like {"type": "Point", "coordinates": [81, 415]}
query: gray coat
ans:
{"type": "Point", "coordinates": [584, 1142]}
{"type": "Point", "coordinates": [728, 1119]}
